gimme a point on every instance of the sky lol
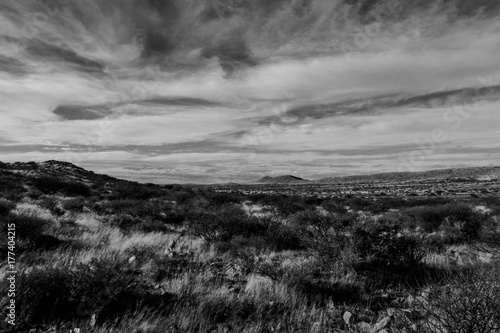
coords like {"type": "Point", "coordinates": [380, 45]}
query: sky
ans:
{"type": "Point", "coordinates": [215, 91]}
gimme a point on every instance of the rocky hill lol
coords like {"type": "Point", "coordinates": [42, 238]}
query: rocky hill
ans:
{"type": "Point", "coordinates": [55, 177]}
{"type": "Point", "coordinates": [473, 173]}
{"type": "Point", "coordinates": [288, 179]}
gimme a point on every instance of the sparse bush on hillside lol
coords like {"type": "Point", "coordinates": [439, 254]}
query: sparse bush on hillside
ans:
{"type": "Point", "coordinates": [52, 184]}
{"type": "Point", "coordinates": [223, 224]}
{"type": "Point", "coordinates": [125, 222]}
{"type": "Point", "coordinates": [221, 198]}
{"type": "Point", "coordinates": [282, 204]}
{"type": "Point", "coordinates": [460, 217]}
{"type": "Point", "coordinates": [152, 209]}
{"type": "Point", "coordinates": [6, 207]}
{"type": "Point", "coordinates": [102, 288]}
{"type": "Point", "coordinates": [128, 223]}
{"type": "Point", "coordinates": [468, 302]}
{"type": "Point", "coordinates": [280, 236]}
{"type": "Point", "coordinates": [75, 205]}
{"type": "Point", "coordinates": [387, 247]}
{"type": "Point", "coordinates": [334, 207]}
{"type": "Point", "coordinates": [429, 218]}
{"type": "Point", "coordinates": [76, 189]}
{"type": "Point", "coordinates": [29, 226]}
{"type": "Point", "coordinates": [52, 205]}
{"type": "Point", "coordinates": [131, 190]}
{"type": "Point", "coordinates": [325, 233]}
{"type": "Point", "coordinates": [11, 186]}
{"type": "Point", "coordinates": [48, 184]}
{"type": "Point", "coordinates": [468, 221]}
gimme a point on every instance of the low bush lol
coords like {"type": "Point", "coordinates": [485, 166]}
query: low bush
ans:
{"type": "Point", "coordinates": [75, 205]}
{"type": "Point", "coordinates": [125, 222]}
{"type": "Point", "coordinates": [324, 233]}
{"type": "Point", "coordinates": [51, 204]}
{"type": "Point", "coordinates": [136, 191]}
{"type": "Point", "coordinates": [6, 207]}
{"type": "Point", "coordinates": [459, 216]}
{"type": "Point", "coordinates": [128, 223]}
{"type": "Point", "coordinates": [102, 288]}
{"type": "Point", "coordinates": [429, 218]}
{"type": "Point", "coordinates": [468, 221]}
{"type": "Point", "coordinates": [76, 189]}
{"type": "Point", "coordinates": [11, 186]}
{"type": "Point", "coordinates": [223, 224]}
{"type": "Point", "coordinates": [29, 226]}
{"type": "Point", "coordinates": [281, 236]}
{"type": "Point", "coordinates": [385, 246]}
{"type": "Point", "coordinates": [159, 210]}
{"type": "Point", "coordinates": [282, 204]}
{"type": "Point", "coordinates": [466, 302]}
{"type": "Point", "coordinates": [52, 184]}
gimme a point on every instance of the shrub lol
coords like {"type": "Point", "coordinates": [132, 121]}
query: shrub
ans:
{"type": "Point", "coordinates": [468, 221]}
{"type": "Point", "coordinates": [75, 205]}
{"type": "Point", "coordinates": [317, 290]}
{"type": "Point", "coordinates": [334, 207]}
{"type": "Point", "coordinates": [29, 226]}
{"type": "Point", "coordinates": [283, 204]}
{"type": "Point", "coordinates": [223, 224]}
{"type": "Point", "coordinates": [6, 207]}
{"type": "Point", "coordinates": [11, 186]}
{"type": "Point", "coordinates": [125, 222]}
{"type": "Point", "coordinates": [387, 247]}
{"type": "Point", "coordinates": [144, 209]}
{"type": "Point", "coordinates": [219, 198]}
{"type": "Point", "coordinates": [150, 225]}
{"type": "Point", "coordinates": [469, 302]}
{"type": "Point", "coordinates": [280, 236]}
{"type": "Point", "coordinates": [460, 216]}
{"type": "Point", "coordinates": [76, 189]}
{"type": "Point", "coordinates": [52, 184]}
{"type": "Point", "coordinates": [326, 234]}
{"type": "Point", "coordinates": [52, 205]}
{"type": "Point", "coordinates": [101, 287]}
{"type": "Point", "coordinates": [131, 190]}
{"type": "Point", "coordinates": [429, 218]}
{"type": "Point", "coordinates": [175, 216]}
{"type": "Point", "coordinates": [48, 184]}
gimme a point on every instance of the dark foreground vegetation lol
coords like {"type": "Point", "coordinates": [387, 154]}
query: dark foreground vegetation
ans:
{"type": "Point", "coordinates": [98, 254]}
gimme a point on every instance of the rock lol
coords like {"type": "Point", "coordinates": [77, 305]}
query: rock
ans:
{"type": "Point", "coordinates": [347, 317]}
{"type": "Point", "coordinates": [382, 324]}
{"type": "Point", "coordinates": [364, 327]}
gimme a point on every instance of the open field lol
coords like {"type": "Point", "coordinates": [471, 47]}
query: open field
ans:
{"type": "Point", "coordinates": [98, 254]}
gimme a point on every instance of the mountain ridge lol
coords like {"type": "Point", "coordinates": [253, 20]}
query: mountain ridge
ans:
{"type": "Point", "coordinates": [473, 173]}
{"type": "Point", "coordinates": [285, 179]}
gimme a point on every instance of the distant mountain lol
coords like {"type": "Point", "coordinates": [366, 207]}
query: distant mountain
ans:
{"type": "Point", "coordinates": [473, 173]}
{"type": "Point", "coordinates": [288, 179]}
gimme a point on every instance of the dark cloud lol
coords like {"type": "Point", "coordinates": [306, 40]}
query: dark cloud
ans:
{"type": "Point", "coordinates": [56, 53]}
{"type": "Point", "coordinates": [372, 105]}
{"type": "Point", "coordinates": [179, 101]}
{"type": "Point", "coordinates": [85, 112]}
{"type": "Point", "coordinates": [12, 66]}
{"type": "Point", "coordinates": [78, 112]}
{"type": "Point", "coordinates": [232, 52]}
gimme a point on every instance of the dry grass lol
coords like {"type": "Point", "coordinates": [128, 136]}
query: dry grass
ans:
{"type": "Point", "coordinates": [202, 298]}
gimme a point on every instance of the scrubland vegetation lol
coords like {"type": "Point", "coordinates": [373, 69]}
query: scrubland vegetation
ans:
{"type": "Point", "coordinates": [113, 256]}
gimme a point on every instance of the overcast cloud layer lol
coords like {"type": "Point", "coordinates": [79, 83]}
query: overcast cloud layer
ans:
{"type": "Point", "coordinates": [232, 90]}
